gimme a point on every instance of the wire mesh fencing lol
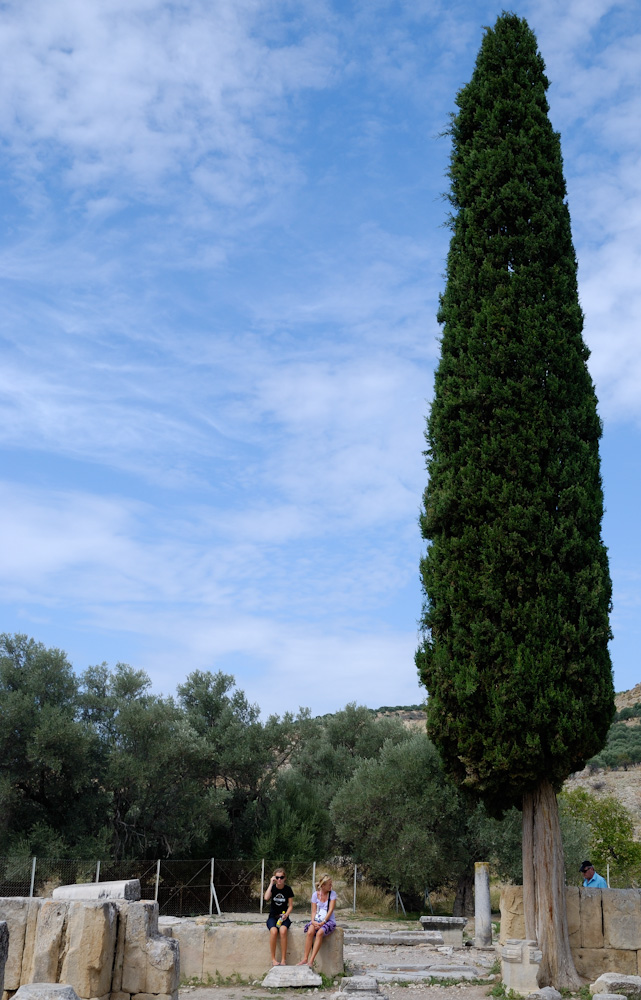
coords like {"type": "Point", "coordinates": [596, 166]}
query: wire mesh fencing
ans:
{"type": "Point", "coordinates": [185, 888]}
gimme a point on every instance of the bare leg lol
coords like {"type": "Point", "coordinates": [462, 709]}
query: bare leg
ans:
{"type": "Point", "coordinates": [309, 938]}
{"type": "Point", "coordinates": [273, 938]}
{"type": "Point", "coordinates": [283, 946]}
{"type": "Point", "coordinates": [317, 943]}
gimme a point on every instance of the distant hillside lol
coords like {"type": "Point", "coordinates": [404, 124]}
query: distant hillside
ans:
{"type": "Point", "coordinates": [623, 782]}
{"type": "Point", "coordinates": [412, 716]}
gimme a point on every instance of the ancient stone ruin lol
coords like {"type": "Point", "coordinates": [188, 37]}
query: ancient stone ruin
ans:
{"type": "Point", "coordinates": [107, 948]}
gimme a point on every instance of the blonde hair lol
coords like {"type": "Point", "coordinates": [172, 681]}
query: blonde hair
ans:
{"type": "Point", "coordinates": [322, 880]}
{"type": "Point", "coordinates": [279, 869]}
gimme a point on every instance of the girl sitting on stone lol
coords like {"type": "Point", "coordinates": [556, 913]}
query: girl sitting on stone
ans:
{"type": "Point", "coordinates": [322, 922]}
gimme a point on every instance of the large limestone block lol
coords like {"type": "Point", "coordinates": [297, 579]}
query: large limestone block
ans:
{"type": "Point", "coordinates": [90, 946]}
{"type": "Point", "coordinates": [122, 889]}
{"type": "Point", "coordinates": [163, 965]}
{"type": "Point", "coordinates": [29, 954]}
{"type": "Point", "coordinates": [140, 923]}
{"type": "Point", "coordinates": [49, 941]}
{"type": "Point", "coordinates": [593, 962]}
{"type": "Point", "coordinates": [191, 937]}
{"type": "Point", "coordinates": [14, 910]}
{"type": "Point", "coordinates": [591, 918]}
{"type": "Point", "coordinates": [512, 919]}
{"type": "Point", "coordinates": [4, 950]}
{"type": "Point", "coordinates": [574, 915]}
{"type": "Point", "coordinates": [615, 982]}
{"type": "Point", "coordinates": [244, 950]}
{"type": "Point", "coordinates": [622, 919]}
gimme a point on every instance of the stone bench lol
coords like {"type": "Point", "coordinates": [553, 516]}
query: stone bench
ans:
{"type": "Point", "coordinates": [213, 951]}
{"type": "Point", "coordinates": [450, 927]}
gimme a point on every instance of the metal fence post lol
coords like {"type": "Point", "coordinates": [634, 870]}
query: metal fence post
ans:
{"type": "Point", "coordinates": [313, 878]}
{"type": "Point", "coordinates": [98, 872]}
{"type": "Point", "coordinates": [211, 886]}
{"type": "Point", "coordinates": [262, 884]}
{"type": "Point", "coordinates": [157, 880]}
{"type": "Point", "coordinates": [33, 878]}
{"type": "Point", "coordinates": [354, 907]}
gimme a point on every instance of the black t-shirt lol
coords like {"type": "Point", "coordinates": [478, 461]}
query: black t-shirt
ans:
{"type": "Point", "coordinates": [279, 899]}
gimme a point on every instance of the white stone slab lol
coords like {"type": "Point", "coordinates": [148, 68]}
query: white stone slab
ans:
{"type": "Point", "coordinates": [123, 889]}
{"type": "Point", "coordinates": [282, 976]}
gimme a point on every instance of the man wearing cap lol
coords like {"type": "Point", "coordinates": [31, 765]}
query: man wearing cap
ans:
{"type": "Point", "coordinates": [591, 879]}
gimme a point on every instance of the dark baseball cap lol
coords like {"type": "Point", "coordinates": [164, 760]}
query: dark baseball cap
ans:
{"type": "Point", "coordinates": [586, 864]}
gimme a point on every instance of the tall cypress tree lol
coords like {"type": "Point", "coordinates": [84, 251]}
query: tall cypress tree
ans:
{"type": "Point", "coordinates": [516, 581]}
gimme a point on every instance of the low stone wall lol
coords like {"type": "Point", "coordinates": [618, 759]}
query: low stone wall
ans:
{"type": "Point", "coordinates": [604, 927]}
{"type": "Point", "coordinates": [210, 951]}
{"type": "Point", "coordinates": [105, 949]}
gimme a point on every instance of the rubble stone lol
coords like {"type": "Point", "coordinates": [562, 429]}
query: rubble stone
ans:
{"type": "Point", "coordinates": [615, 982]}
{"type": "Point", "coordinates": [46, 991]}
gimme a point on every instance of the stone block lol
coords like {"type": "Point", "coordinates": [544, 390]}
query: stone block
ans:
{"type": "Point", "coordinates": [88, 959]}
{"type": "Point", "coordinates": [282, 976]}
{"type": "Point", "coordinates": [122, 889]}
{"type": "Point", "coordinates": [520, 961]}
{"type": "Point", "coordinates": [359, 984]}
{"type": "Point", "coordinates": [591, 918]}
{"type": "Point", "coordinates": [163, 965]}
{"type": "Point", "coordinates": [4, 950]}
{"type": "Point", "coordinates": [450, 928]}
{"type": "Point", "coordinates": [615, 982]}
{"type": "Point", "coordinates": [191, 937]}
{"type": "Point", "coordinates": [574, 916]}
{"type": "Point", "coordinates": [28, 954]}
{"type": "Point", "coordinates": [49, 941]}
{"type": "Point", "coordinates": [593, 962]}
{"type": "Point", "coordinates": [140, 923]}
{"type": "Point", "coordinates": [233, 948]}
{"type": "Point", "coordinates": [622, 919]}
{"type": "Point", "coordinates": [46, 991]}
{"type": "Point", "coordinates": [119, 996]}
{"type": "Point", "coordinates": [512, 919]}
{"type": "Point", "coordinates": [14, 911]}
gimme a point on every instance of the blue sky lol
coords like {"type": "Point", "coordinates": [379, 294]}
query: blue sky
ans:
{"type": "Point", "coordinates": [221, 250]}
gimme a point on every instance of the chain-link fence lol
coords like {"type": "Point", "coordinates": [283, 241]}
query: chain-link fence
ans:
{"type": "Point", "coordinates": [186, 888]}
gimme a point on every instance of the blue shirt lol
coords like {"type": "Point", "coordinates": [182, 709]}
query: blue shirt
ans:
{"type": "Point", "coordinates": [596, 882]}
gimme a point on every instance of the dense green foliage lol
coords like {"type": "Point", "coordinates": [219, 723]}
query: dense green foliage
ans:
{"type": "Point", "coordinates": [623, 747]}
{"type": "Point", "coordinates": [516, 581]}
{"type": "Point", "coordinates": [96, 765]}
{"type": "Point", "coordinates": [610, 835]}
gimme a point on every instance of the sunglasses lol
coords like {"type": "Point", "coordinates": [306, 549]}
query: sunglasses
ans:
{"type": "Point", "coordinates": [279, 878]}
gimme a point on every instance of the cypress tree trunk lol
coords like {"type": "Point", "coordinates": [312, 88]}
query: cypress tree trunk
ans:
{"type": "Point", "coordinates": [544, 888]}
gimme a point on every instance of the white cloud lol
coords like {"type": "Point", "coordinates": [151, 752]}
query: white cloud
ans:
{"type": "Point", "coordinates": [126, 93]}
